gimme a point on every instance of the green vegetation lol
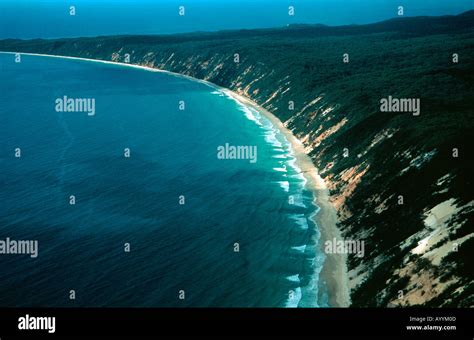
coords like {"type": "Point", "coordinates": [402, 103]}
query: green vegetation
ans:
{"type": "Point", "coordinates": [404, 58]}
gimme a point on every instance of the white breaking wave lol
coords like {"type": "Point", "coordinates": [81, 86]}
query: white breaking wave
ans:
{"type": "Point", "coordinates": [291, 172]}
{"type": "Point", "coordinates": [300, 249]}
{"type": "Point", "coordinates": [294, 298]}
{"type": "Point", "coordinates": [219, 93]}
{"type": "Point", "coordinates": [285, 185]}
{"type": "Point", "coordinates": [282, 169]}
{"type": "Point", "coordinates": [250, 115]}
{"type": "Point", "coordinates": [300, 220]}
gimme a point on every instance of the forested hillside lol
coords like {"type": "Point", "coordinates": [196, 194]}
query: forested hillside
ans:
{"type": "Point", "coordinates": [395, 178]}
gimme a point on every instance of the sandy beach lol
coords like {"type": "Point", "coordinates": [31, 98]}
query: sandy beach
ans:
{"type": "Point", "coordinates": [334, 271]}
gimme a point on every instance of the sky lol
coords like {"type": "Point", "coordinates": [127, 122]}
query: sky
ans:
{"type": "Point", "coordinates": [27, 19]}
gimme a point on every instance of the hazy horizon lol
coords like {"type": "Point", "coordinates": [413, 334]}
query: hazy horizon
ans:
{"type": "Point", "coordinates": [50, 19]}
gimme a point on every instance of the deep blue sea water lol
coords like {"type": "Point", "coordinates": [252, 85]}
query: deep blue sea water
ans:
{"type": "Point", "coordinates": [135, 200]}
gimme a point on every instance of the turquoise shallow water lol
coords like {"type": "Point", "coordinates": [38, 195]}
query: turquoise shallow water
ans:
{"type": "Point", "coordinates": [262, 206]}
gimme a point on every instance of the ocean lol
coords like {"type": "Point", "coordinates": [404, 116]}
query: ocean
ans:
{"type": "Point", "coordinates": [132, 206]}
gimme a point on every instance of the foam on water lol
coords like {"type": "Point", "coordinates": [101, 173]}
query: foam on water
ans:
{"type": "Point", "coordinates": [282, 169]}
{"type": "Point", "coordinates": [219, 93]}
{"type": "Point", "coordinates": [299, 249]}
{"type": "Point", "coordinates": [291, 225]}
{"type": "Point", "coordinates": [285, 185]}
{"type": "Point", "coordinates": [289, 166]}
{"type": "Point", "coordinates": [295, 297]}
{"type": "Point", "coordinates": [300, 220]}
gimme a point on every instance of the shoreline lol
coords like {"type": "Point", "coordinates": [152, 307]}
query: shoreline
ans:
{"type": "Point", "coordinates": [334, 271]}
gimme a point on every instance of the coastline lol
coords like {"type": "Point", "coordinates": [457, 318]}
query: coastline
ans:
{"type": "Point", "coordinates": [334, 272]}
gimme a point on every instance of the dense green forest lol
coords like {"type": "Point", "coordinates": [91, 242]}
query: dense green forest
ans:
{"type": "Point", "coordinates": [386, 170]}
